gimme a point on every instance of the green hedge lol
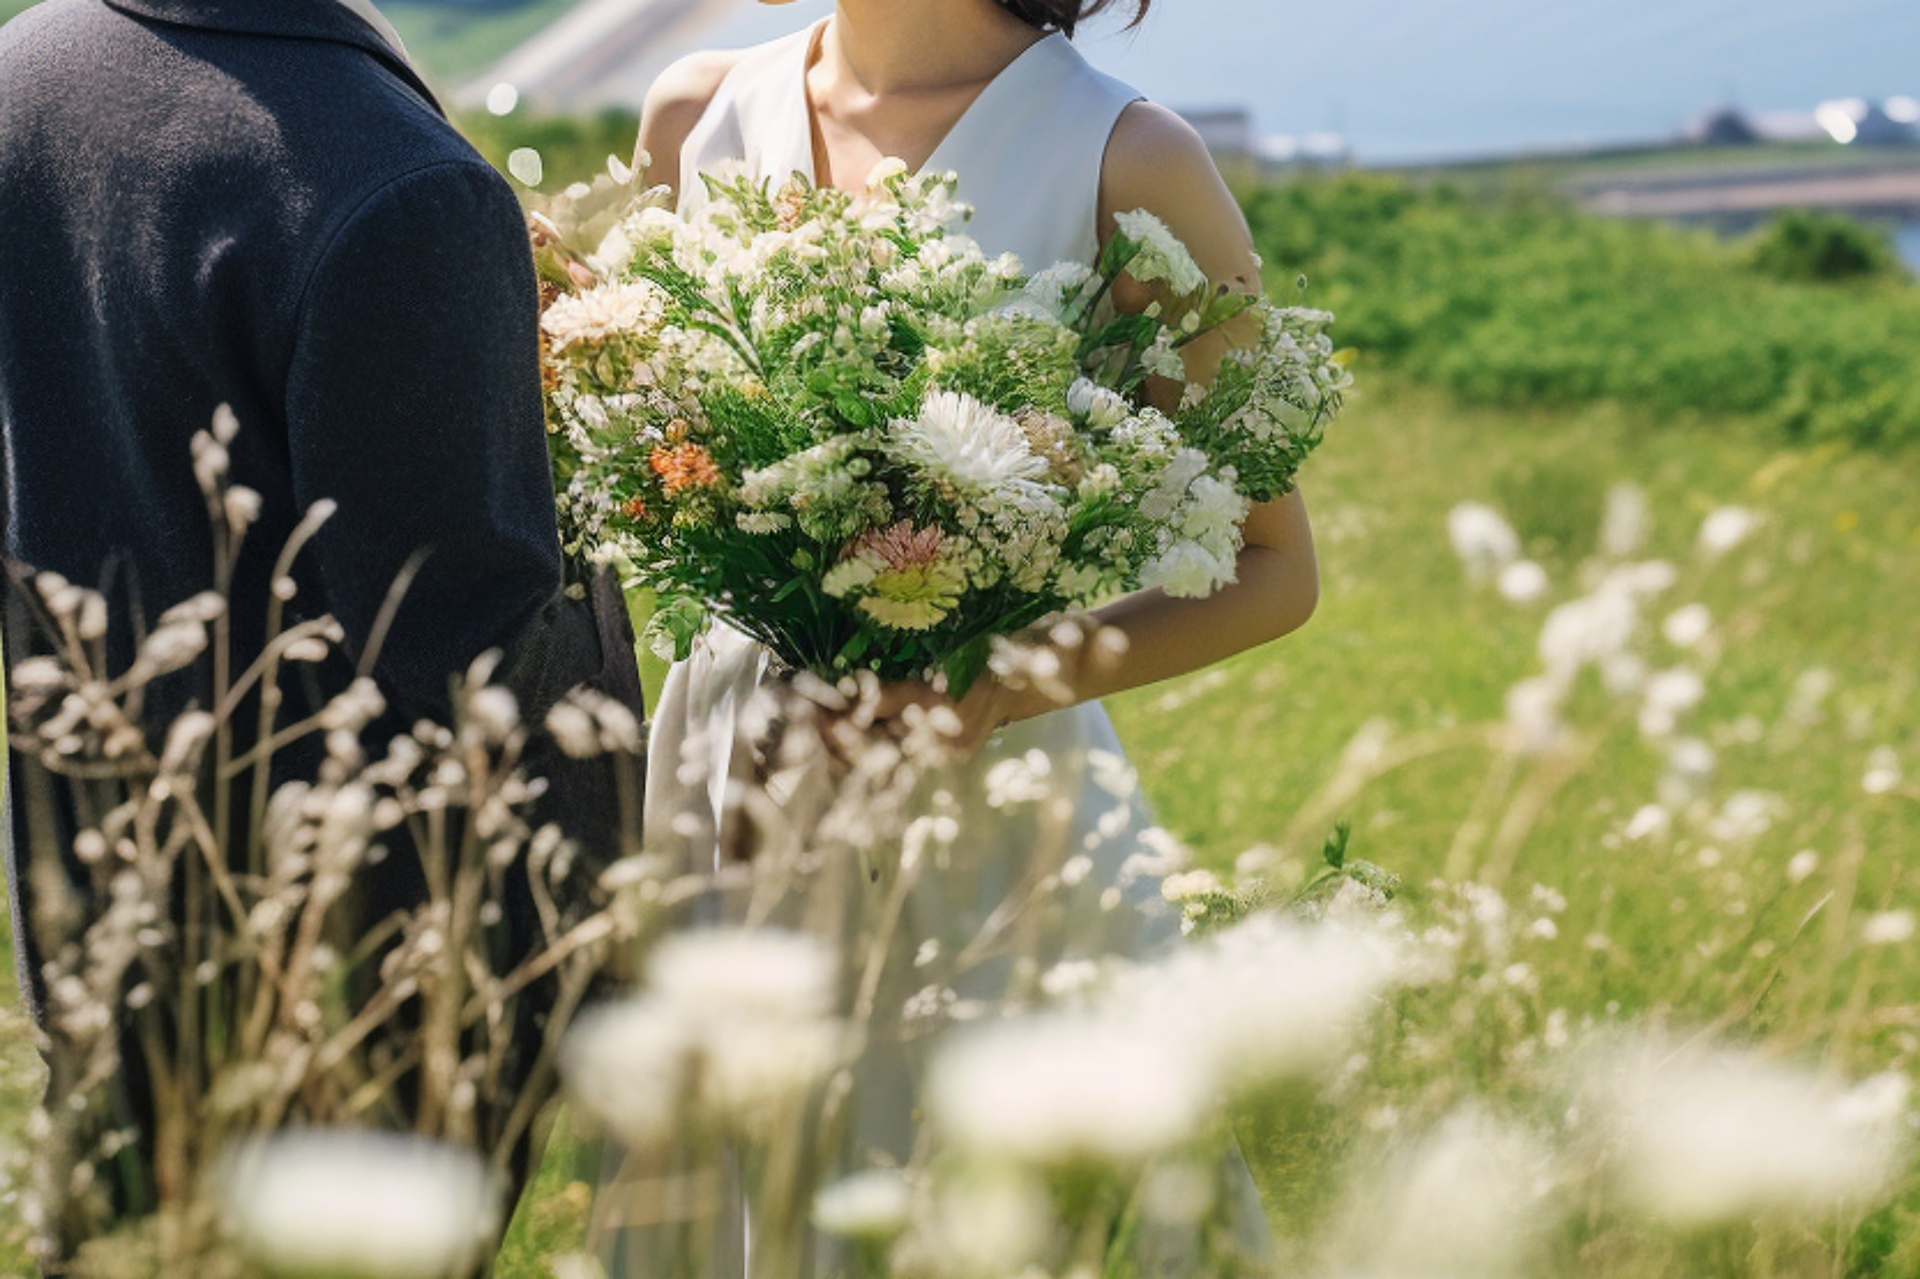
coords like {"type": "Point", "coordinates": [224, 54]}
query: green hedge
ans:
{"type": "Point", "coordinates": [1522, 300]}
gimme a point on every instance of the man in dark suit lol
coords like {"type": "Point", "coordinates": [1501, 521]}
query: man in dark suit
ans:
{"type": "Point", "coordinates": [258, 203]}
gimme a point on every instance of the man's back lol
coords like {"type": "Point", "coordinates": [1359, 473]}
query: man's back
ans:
{"type": "Point", "coordinates": [255, 203]}
{"type": "Point", "coordinates": [249, 202]}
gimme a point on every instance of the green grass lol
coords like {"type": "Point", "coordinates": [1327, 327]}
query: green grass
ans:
{"type": "Point", "coordinates": [1400, 638]}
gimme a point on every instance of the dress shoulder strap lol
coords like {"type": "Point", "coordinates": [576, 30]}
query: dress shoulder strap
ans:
{"type": "Point", "coordinates": [756, 122]}
{"type": "Point", "coordinates": [1030, 152]}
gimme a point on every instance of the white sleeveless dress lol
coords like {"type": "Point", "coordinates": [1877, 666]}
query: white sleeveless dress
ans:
{"type": "Point", "coordinates": [1028, 153]}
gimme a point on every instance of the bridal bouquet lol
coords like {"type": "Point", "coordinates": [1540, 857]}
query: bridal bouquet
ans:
{"type": "Point", "coordinates": [833, 423]}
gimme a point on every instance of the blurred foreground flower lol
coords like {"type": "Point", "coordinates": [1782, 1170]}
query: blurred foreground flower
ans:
{"type": "Point", "coordinates": [1724, 1136]}
{"type": "Point", "coordinates": [367, 1205]}
{"type": "Point", "coordinates": [1051, 1091]}
{"type": "Point", "coordinates": [737, 1020]}
{"type": "Point", "coordinates": [1267, 999]}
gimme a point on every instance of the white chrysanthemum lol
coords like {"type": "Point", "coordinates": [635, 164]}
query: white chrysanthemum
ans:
{"type": "Point", "coordinates": [1722, 1137]}
{"type": "Point", "coordinates": [603, 312]}
{"type": "Point", "coordinates": [868, 1205]}
{"type": "Point", "coordinates": [1162, 256]}
{"type": "Point", "coordinates": [375, 1204]}
{"type": "Point", "coordinates": [1482, 538]}
{"type": "Point", "coordinates": [1054, 289]}
{"type": "Point", "coordinates": [958, 440]}
{"type": "Point", "coordinates": [1054, 1090]}
{"type": "Point", "coordinates": [1096, 405]}
{"type": "Point", "coordinates": [1162, 358]}
{"type": "Point", "coordinates": [1186, 570]}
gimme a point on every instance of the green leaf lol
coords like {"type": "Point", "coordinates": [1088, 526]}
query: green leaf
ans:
{"type": "Point", "coordinates": [1335, 851]}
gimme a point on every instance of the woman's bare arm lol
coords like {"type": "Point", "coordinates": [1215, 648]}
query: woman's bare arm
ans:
{"type": "Point", "coordinates": [1155, 161]}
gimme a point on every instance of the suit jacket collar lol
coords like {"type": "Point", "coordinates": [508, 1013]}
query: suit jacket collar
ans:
{"type": "Point", "coordinates": [290, 19]}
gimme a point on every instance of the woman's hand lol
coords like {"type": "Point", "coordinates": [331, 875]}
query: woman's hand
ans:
{"type": "Point", "coordinates": [963, 725]}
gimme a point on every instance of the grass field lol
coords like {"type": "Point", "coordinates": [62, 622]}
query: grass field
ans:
{"type": "Point", "coordinates": [1232, 756]}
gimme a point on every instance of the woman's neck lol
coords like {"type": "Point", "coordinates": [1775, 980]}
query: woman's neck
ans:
{"type": "Point", "coordinates": [909, 46]}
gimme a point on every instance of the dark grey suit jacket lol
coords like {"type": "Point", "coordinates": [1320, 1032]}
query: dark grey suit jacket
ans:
{"type": "Point", "coordinates": [257, 203]}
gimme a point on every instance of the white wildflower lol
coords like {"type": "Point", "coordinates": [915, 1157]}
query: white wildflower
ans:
{"type": "Point", "coordinates": [1888, 928]}
{"type": "Point", "coordinates": [867, 1205]}
{"type": "Point", "coordinates": [1883, 771]}
{"type": "Point", "coordinates": [1024, 779]}
{"type": "Point", "coordinates": [1623, 531]}
{"type": "Point", "coordinates": [1722, 1137]}
{"type": "Point", "coordinates": [1802, 865]}
{"type": "Point", "coordinates": [1483, 539]}
{"type": "Point", "coordinates": [628, 1064]}
{"type": "Point", "coordinates": [1649, 821]}
{"type": "Point", "coordinates": [1462, 1200]}
{"type": "Point", "coordinates": [1725, 529]}
{"type": "Point", "coordinates": [610, 310]}
{"type": "Point", "coordinates": [1669, 695]}
{"type": "Point", "coordinates": [1056, 1089]}
{"type": "Point", "coordinates": [1265, 999]}
{"type": "Point", "coordinates": [746, 971]}
{"type": "Point", "coordinates": [378, 1205]}
{"type": "Point", "coordinates": [1745, 816]}
{"type": "Point", "coordinates": [1690, 766]}
{"type": "Point", "coordinates": [1687, 626]}
{"type": "Point", "coordinates": [1523, 582]}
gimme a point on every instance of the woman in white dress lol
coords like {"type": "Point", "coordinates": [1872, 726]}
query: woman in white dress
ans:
{"type": "Point", "coordinates": [1047, 151]}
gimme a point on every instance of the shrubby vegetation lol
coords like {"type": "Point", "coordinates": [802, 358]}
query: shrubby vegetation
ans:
{"type": "Point", "coordinates": [1525, 301]}
{"type": "Point", "coordinates": [572, 149]}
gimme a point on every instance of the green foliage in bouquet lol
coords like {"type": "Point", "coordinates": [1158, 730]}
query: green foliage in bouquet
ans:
{"type": "Point", "coordinates": [835, 424]}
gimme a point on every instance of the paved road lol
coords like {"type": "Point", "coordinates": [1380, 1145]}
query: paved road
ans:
{"type": "Point", "coordinates": [602, 53]}
{"type": "Point", "coordinates": [1889, 193]}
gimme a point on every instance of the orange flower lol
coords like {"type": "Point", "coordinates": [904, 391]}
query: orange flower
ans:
{"type": "Point", "coordinates": [635, 508]}
{"type": "Point", "coordinates": [682, 467]}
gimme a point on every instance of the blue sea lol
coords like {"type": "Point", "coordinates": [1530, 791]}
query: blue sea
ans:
{"type": "Point", "coordinates": [1420, 79]}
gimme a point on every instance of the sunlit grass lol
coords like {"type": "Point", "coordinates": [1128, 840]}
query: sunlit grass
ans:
{"type": "Point", "coordinates": [1230, 756]}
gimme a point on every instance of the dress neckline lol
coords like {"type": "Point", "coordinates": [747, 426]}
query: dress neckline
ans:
{"type": "Point", "coordinates": [1001, 83]}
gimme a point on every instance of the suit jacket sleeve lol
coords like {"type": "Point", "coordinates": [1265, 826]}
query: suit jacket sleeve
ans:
{"type": "Point", "coordinates": [413, 401]}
